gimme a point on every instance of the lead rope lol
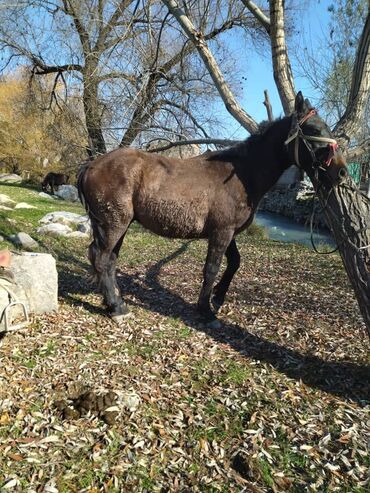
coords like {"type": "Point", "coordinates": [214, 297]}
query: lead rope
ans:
{"type": "Point", "coordinates": [312, 226]}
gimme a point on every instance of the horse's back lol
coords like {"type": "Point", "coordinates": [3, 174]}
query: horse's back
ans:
{"type": "Point", "coordinates": [172, 197]}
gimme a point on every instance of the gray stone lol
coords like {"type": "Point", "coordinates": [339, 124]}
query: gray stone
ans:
{"type": "Point", "coordinates": [45, 195]}
{"type": "Point", "coordinates": [5, 208]}
{"type": "Point", "coordinates": [24, 205]}
{"type": "Point", "coordinates": [36, 283]}
{"type": "Point", "coordinates": [77, 234]}
{"type": "Point", "coordinates": [10, 178]}
{"type": "Point", "coordinates": [63, 217]}
{"type": "Point", "coordinates": [295, 202]}
{"type": "Point", "coordinates": [4, 199]}
{"type": "Point", "coordinates": [24, 240]}
{"type": "Point", "coordinates": [54, 229]}
{"type": "Point", "coordinates": [68, 192]}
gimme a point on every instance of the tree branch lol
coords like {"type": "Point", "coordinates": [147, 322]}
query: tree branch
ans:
{"type": "Point", "coordinates": [200, 43]}
{"type": "Point", "coordinates": [359, 150]}
{"type": "Point", "coordinates": [258, 14]}
{"type": "Point", "coordinates": [350, 123]}
{"type": "Point", "coordinates": [219, 142]}
{"type": "Point", "coordinates": [267, 103]}
{"type": "Point", "coordinates": [282, 69]}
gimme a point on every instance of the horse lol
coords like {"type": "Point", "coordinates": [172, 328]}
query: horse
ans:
{"type": "Point", "coordinates": [54, 180]}
{"type": "Point", "coordinates": [213, 196]}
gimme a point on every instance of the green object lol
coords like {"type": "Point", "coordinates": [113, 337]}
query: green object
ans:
{"type": "Point", "coordinates": [354, 170]}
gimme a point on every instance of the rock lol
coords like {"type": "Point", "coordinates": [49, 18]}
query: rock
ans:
{"type": "Point", "coordinates": [63, 217]}
{"type": "Point", "coordinates": [84, 227]}
{"type": "Point", "coordinates": [67, 192]}
{"type": "Point", "coordinates": [5, 208]}
{"type": "Point", "coordinates": [36, 283]}
{"type": "Point", "coordinates": [24, 240]}
{"type": "Point", "coordinates": [54, 229]}
{"type": "Point", "coordinates": [4, 199]}
{"type": "Point", "coordinates": [10, 178]}
{"type": "Point", "coordinates": [47, 196]}
{"type": "Point", "coordinates": [24, 205]}
{"type": "Point", "coordinates": [295, 202]}
{"type": "Point", "coordinates": [77, 234]}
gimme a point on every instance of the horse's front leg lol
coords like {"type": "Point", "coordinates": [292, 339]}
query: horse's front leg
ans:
{"type": "Point", "coordinates": [216, 248]}
{"type": "Point", "coordinates": [233, 263]}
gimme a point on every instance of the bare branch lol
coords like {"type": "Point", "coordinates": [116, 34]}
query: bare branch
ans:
{"type": "Point", "coordinates": [199, 42]}
{"type": "Point", "coordinates": [267, 103]}
{"type": "Point", "coordinates": [361, 149]}
{"type": "Point", "coordinates": [258, 14]}
{"type": "Point", "coordinates": [282, 69]}
{"type": "Point", "coordinates": [218, 142]}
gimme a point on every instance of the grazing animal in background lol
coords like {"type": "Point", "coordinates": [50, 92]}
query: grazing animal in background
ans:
{"type": "Point", "coordinates": [212, 196]}
{"type": "Point", "coordinates": [54, 180]}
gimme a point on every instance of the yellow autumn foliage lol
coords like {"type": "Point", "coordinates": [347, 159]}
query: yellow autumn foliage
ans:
{"type": "Point", "coordinates": [36, 137]}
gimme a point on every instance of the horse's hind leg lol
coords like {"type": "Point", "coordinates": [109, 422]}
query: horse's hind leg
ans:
{"type": "Point", "coordinates": [233, 263]}
{"type": "Point", "coordinates": [216, 248]}
{"type": "Point", "coordinates": [103, 258]}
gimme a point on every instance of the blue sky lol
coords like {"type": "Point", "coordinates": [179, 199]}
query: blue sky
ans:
{"type": "Point", "coordinates": [311, 24]}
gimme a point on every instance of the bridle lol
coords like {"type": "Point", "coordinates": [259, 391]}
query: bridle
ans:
{"type": "Point", "coordinates": [298, 135]}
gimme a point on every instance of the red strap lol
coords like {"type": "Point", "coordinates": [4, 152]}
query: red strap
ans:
{"type": "Point", "coordinates": [307, 116]}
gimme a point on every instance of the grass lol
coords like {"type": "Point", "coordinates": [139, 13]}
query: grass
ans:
{"type": "Point", "coordinates": [287, 369]}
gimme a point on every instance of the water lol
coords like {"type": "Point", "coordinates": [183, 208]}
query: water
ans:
{"type": "Point", "coordinates": [281, 228]}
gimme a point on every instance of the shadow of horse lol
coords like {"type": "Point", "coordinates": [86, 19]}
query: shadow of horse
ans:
{"type": "Point", "coordinates": [341, 378]}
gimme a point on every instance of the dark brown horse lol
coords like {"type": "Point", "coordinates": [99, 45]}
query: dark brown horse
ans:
{"type": "Point", "coordinates": [213, 196]}
{"type": "Point", "coordinates": [54, 180]}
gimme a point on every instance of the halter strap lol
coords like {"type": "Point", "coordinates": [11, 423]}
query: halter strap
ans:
{"type": "Point", "coordinates": [298, 134]}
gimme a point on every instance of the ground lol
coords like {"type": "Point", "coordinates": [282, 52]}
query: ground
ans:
{"type": "Point", "coordinates": [276, 400]}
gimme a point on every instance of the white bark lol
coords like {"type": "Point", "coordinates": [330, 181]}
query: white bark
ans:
{"type": "Point", "coordinates": [283, 75]}
{"type": "Point", "coordinates": [258, 14]}
{"type": "Point", "coordinates": [210, 62]}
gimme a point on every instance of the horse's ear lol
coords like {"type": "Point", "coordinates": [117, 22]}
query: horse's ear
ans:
{"type": "Point", "coordinates": [299, 104]}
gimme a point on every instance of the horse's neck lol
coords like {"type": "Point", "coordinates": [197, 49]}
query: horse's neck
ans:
{"type": "Point", "coordinates": [270, 159]}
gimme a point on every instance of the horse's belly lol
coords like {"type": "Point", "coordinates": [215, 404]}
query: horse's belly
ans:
{"type": "Point", "coordinates": [172, 217]}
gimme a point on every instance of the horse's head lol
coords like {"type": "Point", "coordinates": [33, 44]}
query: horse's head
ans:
{"type": "Point", "coordinates": [312, 144]}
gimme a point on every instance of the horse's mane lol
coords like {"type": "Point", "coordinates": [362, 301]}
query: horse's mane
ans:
{"type": "Point", "coordinates": [242, 148]}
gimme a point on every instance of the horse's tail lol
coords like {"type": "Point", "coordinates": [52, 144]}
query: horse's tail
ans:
{"type": "Point", "coordinates": [80, 177]}
{"type": "Point", "coordinates": [96, 224]}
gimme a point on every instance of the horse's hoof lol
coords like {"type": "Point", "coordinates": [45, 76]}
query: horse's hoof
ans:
{"type": "Point", "coordinates": [214, 324]}
{"type": "Point", "coordinates": [120, 319]}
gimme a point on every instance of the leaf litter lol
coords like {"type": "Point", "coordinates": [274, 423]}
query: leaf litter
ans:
{"type": "Point", "coordinates": [276, 400]}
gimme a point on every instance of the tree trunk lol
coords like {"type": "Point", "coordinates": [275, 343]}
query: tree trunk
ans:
{"type": "Point", "coordinates": [348, 214]}
{"type": "Point", "coordinates": [350, 123]}
{"type": "Point", "coordinates": [93, 115]}
{"type": "Point", "coordinates": [283, 75]}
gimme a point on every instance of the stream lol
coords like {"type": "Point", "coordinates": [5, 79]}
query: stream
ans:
{"type": "Point", "coordinates": [281, 228]}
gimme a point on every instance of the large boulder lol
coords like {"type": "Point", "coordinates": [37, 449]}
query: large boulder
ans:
{"type": "Point", "coordinates": [67, 192]}
{"type": "Point", "coordinates": [45, 195]}
{"type": "Point", "coordinates": [24, 205]}
{"type": "Point", "coordinates": [10, 178]}
{"type": "Point", "coordinates": [23, 240]}
{"type": "Point", "coordinates": [35, 284]}
{"type": "Point", "coordinates": [54, 229]}
{"type": "Point", "coordinates": [6, 200]}
{"type": "Point", "coordinates": [63, 217]}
